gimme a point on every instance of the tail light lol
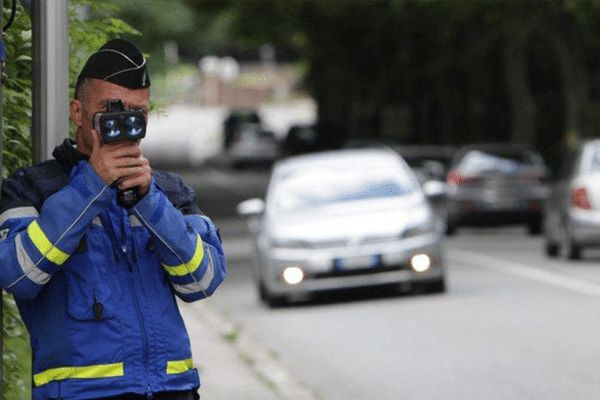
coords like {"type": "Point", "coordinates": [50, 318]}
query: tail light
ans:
{"type": "Point", "coordinates": [457, 179]}
{"type": "Point", "coordinates": [579, 199]}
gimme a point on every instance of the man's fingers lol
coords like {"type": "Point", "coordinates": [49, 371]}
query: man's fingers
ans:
{"type": "Point", "coordinates": [136, 176]}
{"type": "Point", "coordinates": [122, 150]}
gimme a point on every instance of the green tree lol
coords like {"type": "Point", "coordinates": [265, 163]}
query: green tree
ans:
{"type": "Point", "coordinates": [467, 71]}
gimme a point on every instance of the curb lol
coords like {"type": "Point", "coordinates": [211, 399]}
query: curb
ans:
{"type": "Point", "coordinates": [259, 359]}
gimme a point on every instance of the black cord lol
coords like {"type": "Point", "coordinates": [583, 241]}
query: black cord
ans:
{"type": "Point", "coordinates": [12, 16]}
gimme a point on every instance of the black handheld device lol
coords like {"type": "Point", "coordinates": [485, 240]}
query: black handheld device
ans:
{"type": "Point", "coordinates": [118, 124]}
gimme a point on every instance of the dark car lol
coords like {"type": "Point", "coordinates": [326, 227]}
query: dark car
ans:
{"type": "Point", "coordinates": [235, 120]}
{"type": "Point", "coordinates": [429, 161]}
{"type": "Point", "coordinates": [497, 183]}
{"type": "Point", "coordinates": [252, 146]}
{"type": "Point", "coordinates": [301, 139]}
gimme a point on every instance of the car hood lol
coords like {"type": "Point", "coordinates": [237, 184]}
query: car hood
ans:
{"type": "Point", "coordinates": [360, 219]}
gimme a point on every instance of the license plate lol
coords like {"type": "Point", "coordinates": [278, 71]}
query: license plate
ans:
{"type": "Point", "coordinates": [360, 262]}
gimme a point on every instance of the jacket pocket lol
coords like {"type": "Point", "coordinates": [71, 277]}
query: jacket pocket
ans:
{"type": "Point", "coordinates": [89, 302]}
{"type": "Point", "coordinates": [88, 291]}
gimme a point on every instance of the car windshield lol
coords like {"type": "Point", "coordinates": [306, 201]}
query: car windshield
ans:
{"type": "Point", "coordinates": [508, 162]}
{"type": "Point", "coordinates": [308, 190]}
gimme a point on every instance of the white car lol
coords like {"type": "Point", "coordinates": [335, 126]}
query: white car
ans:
{"type": "Point", "coordinates": [572, 211]}
{"type": "Point", "coordinates": [344, 219]}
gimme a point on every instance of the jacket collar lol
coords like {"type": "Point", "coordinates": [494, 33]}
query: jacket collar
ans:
{"type": "Point", "coordinates": [67, 153]}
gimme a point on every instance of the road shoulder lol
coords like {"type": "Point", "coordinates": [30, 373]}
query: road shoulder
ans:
{"type": "Point", "coordinates": [234, 365]}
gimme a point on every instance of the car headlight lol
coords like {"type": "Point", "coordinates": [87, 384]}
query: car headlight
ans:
{"type": "Point", "coordinates": [293, 275]}
{"type": "Point", "coordinates": [420, 262]}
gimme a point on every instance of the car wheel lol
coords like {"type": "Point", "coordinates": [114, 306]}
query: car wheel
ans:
{"type": "Point", "coordinates": [434, 286]}
{"type": "Point", "coordinates": [437, 286]}
{"type": "Point", "coordinates": [552, 249]}
{"type": "Point", "coordinates": [535, 226]}
{"type": "Point", "coordinates": [270, 299]}
{"type": "Point", "coordinates": [573, 251]}
{"type": "Point", "coordinates": [450, 229]}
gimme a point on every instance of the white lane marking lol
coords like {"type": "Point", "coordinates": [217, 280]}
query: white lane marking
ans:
{"type": "Point", "coordinates": [524, 271]}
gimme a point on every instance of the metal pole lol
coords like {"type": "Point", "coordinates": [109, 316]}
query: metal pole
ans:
{"type": "Point", "coordinates": [50, 125]}
{"type": "Point", "coordinates": [1, 292]}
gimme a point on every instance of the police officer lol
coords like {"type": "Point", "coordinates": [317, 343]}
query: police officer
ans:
{"type": "Point", "coordinates": [96, 280]}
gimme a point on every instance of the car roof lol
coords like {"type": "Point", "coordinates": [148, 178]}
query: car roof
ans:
{"type": "Point", "coordinates": [426, 150]}
{"type": "Point", "coordinates": [335, 158]}
{"type": "Point", "coordinates": [496, 146]}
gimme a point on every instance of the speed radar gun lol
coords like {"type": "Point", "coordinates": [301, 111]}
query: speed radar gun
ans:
{"type": "Point", "coordinates": [118, 124]}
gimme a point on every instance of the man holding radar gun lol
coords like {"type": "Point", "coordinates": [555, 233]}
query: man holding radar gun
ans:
{"type": "Point", "coordinates": [95, 246]}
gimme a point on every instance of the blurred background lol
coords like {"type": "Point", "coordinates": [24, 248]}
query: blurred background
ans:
{"type": "Point", "coordinates": [393, 70]}
{"type": "Point", "coordinates": [494, 99]}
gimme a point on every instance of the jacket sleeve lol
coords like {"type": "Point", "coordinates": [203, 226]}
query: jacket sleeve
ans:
{"type": "Point", "coordinates": [35, 241]}
{"type": "Point", "coordinates": [188, 246]}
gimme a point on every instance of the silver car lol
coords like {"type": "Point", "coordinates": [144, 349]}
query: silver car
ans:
{"type": "Point", "coordinates": [497, 183]}
{"type": "Point", "coordinates": [344, 219]}
{"type": "Point", "coordinates": [572, 213]}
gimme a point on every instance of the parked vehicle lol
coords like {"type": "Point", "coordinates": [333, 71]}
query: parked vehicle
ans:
{"type": "Point", "coordinates": [344, 219]}
{"type": "Point", "coordinates": [497, 183]}
{"type": "Point", "coordinates": [429, 161]}
{"type": "Point", "coordinates": [300, 139]}
{"type": "Point", "coordinates": [252, 146]}
{"type": "Point", "coordinates": [236, 118]}
{"type": "Point", "coordinates": [572, 212]}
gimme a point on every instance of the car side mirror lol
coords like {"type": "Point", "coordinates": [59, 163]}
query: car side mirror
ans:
{"type": "Point", "coordinates": [434, 189]}
{"type": "Point", "coordinates": [251, 207]}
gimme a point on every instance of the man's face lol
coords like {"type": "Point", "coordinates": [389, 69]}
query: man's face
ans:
{"type": "Point", "coordinates": [94, 98]}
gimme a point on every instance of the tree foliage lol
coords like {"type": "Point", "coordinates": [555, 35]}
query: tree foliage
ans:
{"type": "Point", "coordinates": [492, 70]}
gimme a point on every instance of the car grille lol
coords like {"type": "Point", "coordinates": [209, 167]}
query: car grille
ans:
{"type": "Point", "coordinates": [333, 243]}
{"type": "Point", "coordinates": [334, 273]}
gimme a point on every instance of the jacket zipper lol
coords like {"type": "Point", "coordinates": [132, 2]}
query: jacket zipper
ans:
{"type": "Point", "coordinates": [130, 268]}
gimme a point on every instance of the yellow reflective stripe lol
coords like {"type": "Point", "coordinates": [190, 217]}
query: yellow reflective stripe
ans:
{"type": "Point", "coordinates": [179, 367]}
{"type": "Point", "coordinates": [191, 266]}
{"type": "Point", "coordinates": [89, 372]}
{"type": "Point", "coordinates": [40, 240]}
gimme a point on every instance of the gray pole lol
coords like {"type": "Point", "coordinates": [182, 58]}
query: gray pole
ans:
{"type": "Point", "coordinates": [50, 123]}
{"type": "Point", "coordinates": [1, 294]}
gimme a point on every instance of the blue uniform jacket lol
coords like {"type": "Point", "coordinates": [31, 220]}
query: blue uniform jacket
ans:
{"type": "Point", "coordinates": [96, 283]}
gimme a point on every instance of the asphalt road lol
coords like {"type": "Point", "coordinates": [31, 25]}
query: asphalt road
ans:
{"type": "Point", "coordinates": [513, 324]}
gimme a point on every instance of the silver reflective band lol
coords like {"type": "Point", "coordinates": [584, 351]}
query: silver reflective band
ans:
{"type": "Point", "coordinates": [30, 270]}
{"type": "Point", "coordinates": [134, 221]}
{"type": "Point", "coordinates": [18, 212]}
{"type": "Point", "coordinates": [202, 284]}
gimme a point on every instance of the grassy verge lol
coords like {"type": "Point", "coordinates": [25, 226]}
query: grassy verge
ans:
{"type": "Point", "coordinates": [16, 355]}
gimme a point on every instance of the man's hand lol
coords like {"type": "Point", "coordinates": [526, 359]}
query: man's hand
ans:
{"type": "Point", "coordinates": [121, 163]}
